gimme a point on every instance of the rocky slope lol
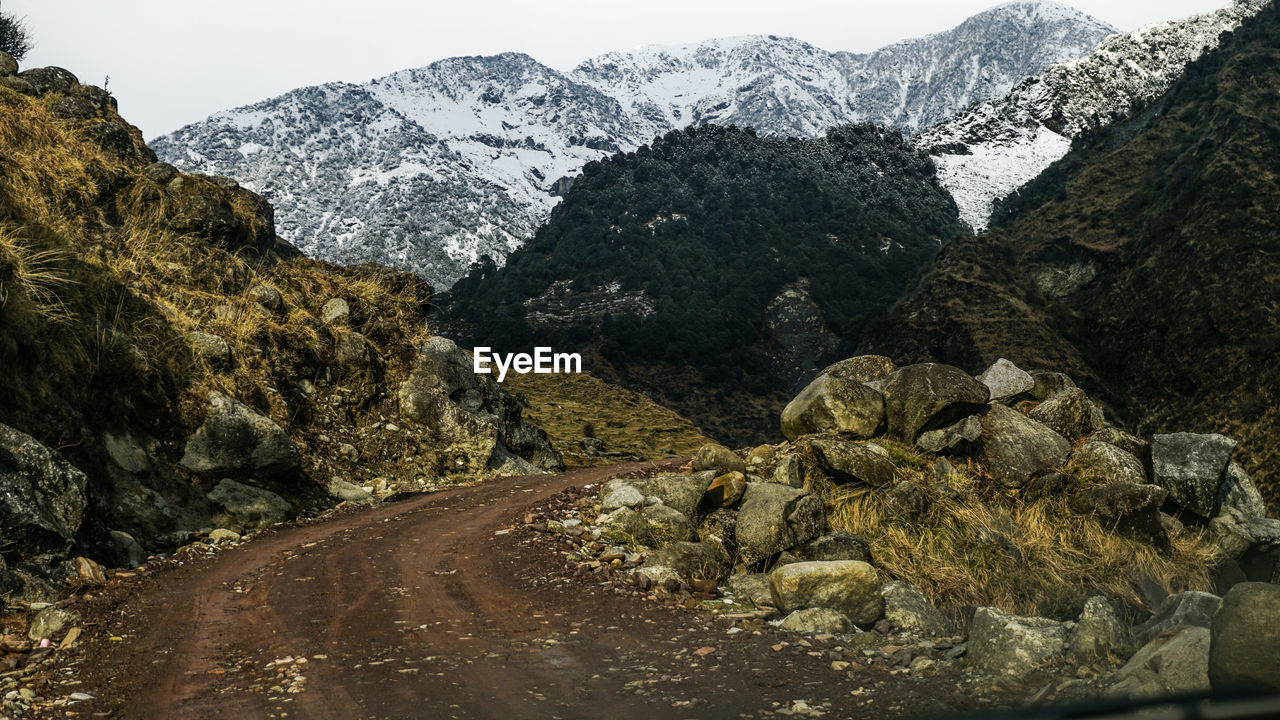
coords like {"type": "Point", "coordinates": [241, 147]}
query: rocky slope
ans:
{"type": "Point", "coordinates": [997, 145]}
{"type": "Point", "coordinates": [174, 371]}
{"type": "Point", "coordinates": [430, 169]}
{"type": "Point", "coordinates": [1143, 262]}
{"type": "Point", "coordinates": [715, 269]}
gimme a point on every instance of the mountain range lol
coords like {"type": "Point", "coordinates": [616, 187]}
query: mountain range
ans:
{"type": "Point", "coordinates": [432, 168]}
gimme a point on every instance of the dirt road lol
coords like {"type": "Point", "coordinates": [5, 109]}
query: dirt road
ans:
{"type": "Point", "coordinates": [444, 606]}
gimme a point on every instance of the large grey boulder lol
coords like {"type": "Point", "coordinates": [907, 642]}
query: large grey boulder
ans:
{"type": "Point", "coordinates": [718, 459]}
{"type": "Point", "coordinates": [1069, 413]}
{"type": "Point", "coordinates": [42, 501]}
{"type": "Point", "coordinates": [846, 462]}
{"type": "Point", "coordinates": [469, 411]}
{"type": "Point", "coordinates": [1100, 462]}
{"type": "Point", "coordinates": [1185, 608]}
{"type": "Point", "coordinates": [248, 507]}
{"type": "Point", "coordinates": [752, 587]}
{"type": "Point", "coordinates": [830, 404]}
{"type": "Point", "coordinates": [918, 395]}
{"type": "Point", "coordinates": [959, 437]}
{"type": "Point", "coordinates": [1018, 448]}
{"type": "Point", "coordinates": [1014, 646]}
{"type": "Point", "coordinates": [680, 492]}
{"type": "Point", "coordinates": [235, 440]}
{"type": "Point", "coordinates": [720, 529]}
{"type": "Point", "coordinates": [1099, 633]}
{"type": "Point", "coordinates": [1244, 652]}
{"type": "Point", "coordinates": [839, 545]}
{"type": "Point", "coordinates": [666, 525]}
{"type": "Point", "coordinates": [1006, 380]}
{"type": "Point", "coordinates": [773, 518]}
{"type": "Point", "coordinates": [619, 493]}
{"type": "Point", "coordinates": [1128, 509]}
{"type": "Point", "coordinates": [848, 586]}
{"type": "Point", "coordinates": [861, 369]}
{"type": "Point", "coordinates": [1191, 467]}
{"type": "Point", "coordinates": [817, 620]}
{"type": "Point", "coordinates": [623, 526]}
{"type": "Point", "coordinates": [1175, 663]}
{"type": "Point", "coordinates": [1128, 442]}
{"type": "Point", "coordinates": [1234, 529]}
{"type": "Point", "coordinates": [1048, 384]}
{"type": "Point", "coordinates": [692, 560]}
{"type": "Point", "coordinates": [909, 611]}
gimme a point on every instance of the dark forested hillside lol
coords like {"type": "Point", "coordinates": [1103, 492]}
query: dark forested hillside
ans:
{"type": "Point", "coordinates": [1147, 261]}
{"type": "Point", "coordinates": [731, 261]}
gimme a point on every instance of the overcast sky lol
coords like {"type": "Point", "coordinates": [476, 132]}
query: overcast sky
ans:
{"type": "Point", "coordinates": [173, 62]}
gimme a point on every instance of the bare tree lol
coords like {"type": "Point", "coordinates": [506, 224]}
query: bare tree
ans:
{"type": "Point", "coordinates": [13, 36]}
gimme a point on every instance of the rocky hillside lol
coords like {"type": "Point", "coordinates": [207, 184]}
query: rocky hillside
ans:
{"type": "Point", "coordinates": [430, 169]}
{"type": "Point", "coordinates": [996, 146]}
{"type": "Point", "coordinates": [1144, 262]}
{"type": "Point", "coordinates": [174, 369]}
{"type": "Point", "coordinates": [715, 269]}
{"type": "Point", "coordinates": [936, 521]}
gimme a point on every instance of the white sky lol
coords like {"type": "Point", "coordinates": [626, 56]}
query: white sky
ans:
{"type": "Point", "coordinates": [173, 62]}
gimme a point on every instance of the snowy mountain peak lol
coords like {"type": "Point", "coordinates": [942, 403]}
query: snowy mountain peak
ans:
{"type": "Point", "coordinates": [428, 169]}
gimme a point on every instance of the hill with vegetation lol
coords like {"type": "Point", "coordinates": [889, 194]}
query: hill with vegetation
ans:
{"type": "Point", "coordinates": [716, 268]}
{"type": "Point", "coordinates": [1147, 261]}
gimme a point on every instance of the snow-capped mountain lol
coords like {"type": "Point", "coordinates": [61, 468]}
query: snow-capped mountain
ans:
{"type": "Point", "coordinates": [429, 169]}
{"type": "Point", "coordinates": [997, 146]}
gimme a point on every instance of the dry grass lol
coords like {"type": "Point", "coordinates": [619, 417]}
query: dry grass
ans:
{"type": "Point", "coordinates": [990, 549]}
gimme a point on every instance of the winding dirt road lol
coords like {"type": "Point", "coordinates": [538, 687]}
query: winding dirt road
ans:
{"type": "Point", "coordinates": [444, 606]}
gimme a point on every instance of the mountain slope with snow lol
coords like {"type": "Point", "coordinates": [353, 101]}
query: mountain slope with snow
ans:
{"type": "Point", "coordinates": [430, 169]}
{"type": "Point", "coordinates": [997, 146]}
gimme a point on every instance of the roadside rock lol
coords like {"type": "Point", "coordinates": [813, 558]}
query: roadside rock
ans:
{"type": "Point", "coordinates": [1099, 633]}
{"type": "Point", "coordinates": [1244, 652]}
{"type": "Point", "coordinates": [774, 518]}
{"type": "Point", "coordinates": [853, 462]}
{"type": "Point", "coordinates": [692, 560]}
{"type": "Point", "coordinates": [848, 586]}
{"type": "Point", "coordinates": [918, 395]}
{"type": "Point", "coordinates": [832, 404]}
{"type": "Point", "coordinates": [718, 459]}
{"type": "Point", "coordinates": [618, 494]}
{"type": "Point", "coordinates": [349, 492]}
{"type": "Point", "coordinates": [42, 502]}
{"type": "Point", "coordinates": [752, 587]}
{"type": "Point", "coordinates": [247, 506]}
{"type": "Point", "coordinates": [236, 440]}
{"type": "Point", "coordinates": [1191, 467]}
{"type": "Point", "coordinates": [1128, 509]}
{"type": "Point", "coordinates": [623, 526]}
{"type": "Point", "coordinates": [682, 493]}
{"type": "Point", "coordinates": [726, 490]}
{"type": "Point", "coordinates": [909, 611]}
{"type": "Point", "coordinates": [839, 545]}
{"type": "Point", "coordinates": [1103, 462]}
{"type": "Point", "coordinates": [666, 525]}
{"type": "Point", "coordinates": [1006, 380]}
{"type": "Point", "coordinates": [817, 620]}
{"type": "Point", "coordinates": [1002, 644]}
{"type": "Point", "coordinates": [49, 622]}
{"type": "Point", "coordinates": [719, 529]}
{"type": "Point", "coordinates": [1019, 448]}
{"type": "Point", "coordinates": [125, 550]}
{"type": "Point", "coordinates": [1187, 608]}
{"type": "Point", "coordinates": [1069, 413]}
{"type": "Point", "coordinates": [789, 472]}
{"type": "Point", "coordinates": [1174, 663]}
{"type": "Point", "coordinates": [953, 439]}
{"type": "Point", "coordinates": [1131, 444]}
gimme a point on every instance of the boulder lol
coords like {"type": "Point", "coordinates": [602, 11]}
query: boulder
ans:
{"type": "Point", "coordinates": [349, 492]}
{"type": "Point", "coordinates": [42, 501]}
{"type": "Point", "coordinates": [1244, 650]}
{"type": "Point", "coordinates": [726, 490]}
{"type": "Point", "coordinates": [1128, 509]}
{"type": "Point", "coordinates": [17, 85]}
{"type": "Point", "coordinates": [958, 438]}
{"type": "Point", "coordinates": [1234, 529]}
{"type": "Point", "coordinates": [789, 472]}
{"type": "Point", "coordinates": [752, 587]}
{"type": "Point", "coordinates": [619, 493]}
{"type": "Point", "coordinates": [8, 66]}
{"type": "Point", "coordinates": [237, 441]}
{"type": "Point", "coordinates": [718, 459]}
{"type": "Point", "coordinates": [845, 462]}
{"type": "Point", "coordinates": [666, 525]}
{"type": "Point", "coordinates": [1185, 608]}
{"type": "Point", "coordinates": [861, 369]}
{"type": "Point", "coordinates": [335, 311]}
{"type": "Point", "coordinates": [1191, 467]}
{"type": "Point", "coordinates": [352, 351]}
{"type": "Point", "coordinates": [1099, 633]}
{"type": "Point", "coordinates": [213, 349]}
{"type": "Point", "coordinates": [267, 297]}
{"type": "Point", "coordinates": [1099, 462]}
{"type": "Point", "coordinates": [816, 621]}
{"type": "Point", "coordinates": [124, 551]}
{"type": "Point", "coordinates": [89, 572]}
{"type": "Point", "coordinates": [160, 172]}
{"type": "Point", "coordinates": [223, 536]}
{"type": "Point", "coordinates": [917, 396]}
{"type": "Point", "coordinates": [1069, 413]}
{"type": "Point", "coordinates": [656, 576]}
{"type": "Point", "coordinates": [907, 501]}
{"type": "Point", "coordinates": [623, 526]}
{"type": "Point", "coordinates": [692, 560]}
{"type": "Point", "coordinates": [1131, 444]}
{"type": "Point", "coordinates": [848, 586]}
{"type": "Point", "coordinates": [838, 545]}
{"type": "Point", "coordinates": [1006, 381]}
{"type": "Point", "coordinates": [719, 528]}
{"type": "Point", "coordinates": [909, 611]}
{"type": "Point", "coordinates": [830, 404]}
{"type": "Point", "coordinates": [50, 79]}
{"type": "Point", "coordinates": [247, 506]}
{"type": "Point", "coordinates": [1175, 663]}
{"type": "Point", "coordinates": [50, 621]}
{"type": "Point", "coordinates": [1048, 384]}
{"type": "Point", "coordinates": [681, 492]}
{"type": "Point", "coordinates": [1010, 645]}
{"type": "Point", "coordinates": [1044, 486]}
{"type": "Point", "coordinates": [762, 456]}
{"type": "Point", "coordinates": [1018, 448]}
{"type": "Point", "coordinates": [774, 518]}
